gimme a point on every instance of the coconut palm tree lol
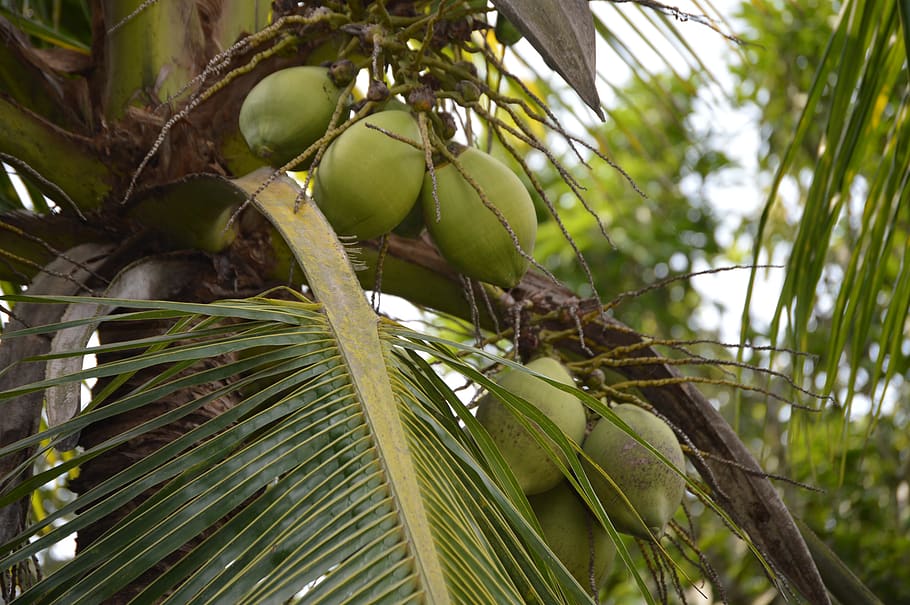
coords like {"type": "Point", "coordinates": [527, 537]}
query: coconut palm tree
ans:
{"type": "Point", "coordinates": [256, 432]}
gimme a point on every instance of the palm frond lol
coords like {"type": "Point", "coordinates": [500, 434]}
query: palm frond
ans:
{"type": "Point", "coordinates": [297, 471]}
{"type": "Point", "coordinates": [308, 486]}
{"type": "Point", "coordinates": [452, 355]}
{"type": "Point", "coordinates": [858, 196]}
{"type": "Point", "coordinates": [44, 31]}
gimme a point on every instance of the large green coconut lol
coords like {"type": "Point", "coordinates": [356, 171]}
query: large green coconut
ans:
{"type": "Point", "coordinates": [654, 490]}
{"type": "Point", "coordinates": [368, 182]}
{"type": "Point", "coordinates": [532, 465]}
{"type": "Point", "coordinates": [574, 535]}
{"type": "Point", "coordinates": [468, 234]}
{"type": "Point", "coordinates": [287, 111]}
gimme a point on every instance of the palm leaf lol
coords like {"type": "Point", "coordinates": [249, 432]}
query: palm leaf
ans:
{"type": "Point", "coordinates": [452, 354]}
{"type": "Point", "coordinates": [859, 195]}
{"type": "Point", "coordinates": [563, 34]}
{"type": "Point", "coordinates": [44, 32]}
{"type": "Point", "coordinates": [299, 469]}
{"type": "Point", "coordinates": [334, 481]}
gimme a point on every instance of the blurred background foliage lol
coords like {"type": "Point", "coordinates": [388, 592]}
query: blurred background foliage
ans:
{"type": "Point", "coordinates": [661, 130]}
{"type": "Point", "coordinates": [662, 230]}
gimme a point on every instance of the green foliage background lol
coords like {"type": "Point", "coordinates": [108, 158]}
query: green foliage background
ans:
{"type": "Point", "coordinates": [860, 467]}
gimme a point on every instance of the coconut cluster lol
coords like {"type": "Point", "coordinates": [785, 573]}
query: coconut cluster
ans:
{"type": "Point", "coordinates": [640, 496]}
{"type": "Point", "coordinates": [373, 177]}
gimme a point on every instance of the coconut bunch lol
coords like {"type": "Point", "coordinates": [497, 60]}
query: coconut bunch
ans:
{"type": "Point", "coordinates": [387, 159]}
{"type": "Point", "coordinates": [638, 490]}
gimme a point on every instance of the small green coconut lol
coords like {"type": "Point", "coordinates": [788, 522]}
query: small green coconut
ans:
{"type": "Point", "coordinates": [368, 182]}
{"type": "Point", "coordinates": [468, 234]}
{"type": "Point", "coordinates": [574, 535]}
{"type": "Point", "coordinates": [654, 490]}
{"type": "Point", "coordinates": [532, 465]}
{"type": "Point", "coordinates": [287, 111]}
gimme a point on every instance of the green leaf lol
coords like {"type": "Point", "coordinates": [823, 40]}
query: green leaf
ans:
{"type": "Point", "coordinates": [305, 480]}
{"type": "Point", "coordinates": [905, 23]}
{"type": "Point", "coordinates": [43, 32]}
{"type": "Point", "coordinates": [341, 475]}
{"type": "Point", "coordinates": [860, 85]}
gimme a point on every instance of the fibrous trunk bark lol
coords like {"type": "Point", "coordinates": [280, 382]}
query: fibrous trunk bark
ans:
{"type": "Point", "coordinates": [198, 285]}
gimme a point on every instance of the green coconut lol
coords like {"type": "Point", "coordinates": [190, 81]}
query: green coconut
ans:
{"type": "Point", "coordinates": [574, 535]}
{"type": "Point", "coordinates": [368, 182]}
{"type": "Point", "coordinates": [287, 111]}
{"type": "Point", "coordinates": [468, 234]}
{"type": "Point", "coordinates": [653, 489]}
{"type": "Point", "coordinates": [412, 225]}
{"type": "Point", "coordinates": [532, 465]}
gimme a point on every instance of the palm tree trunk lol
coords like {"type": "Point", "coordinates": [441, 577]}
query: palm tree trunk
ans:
{"type": "Point", "coordinates": [199, 288]}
